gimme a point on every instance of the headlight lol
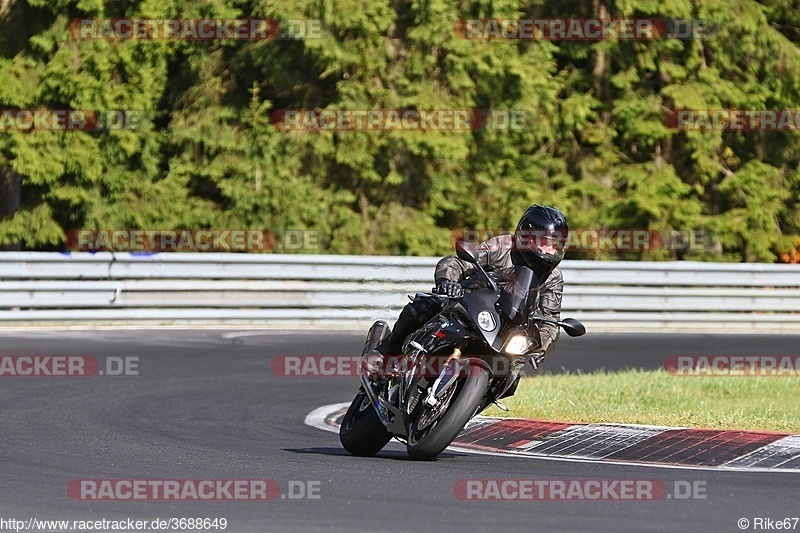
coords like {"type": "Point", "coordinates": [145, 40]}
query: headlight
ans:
{"type": "Point", "coordinates": [517, 345]}
{"type": "Point", "coordinates": [486, 321]}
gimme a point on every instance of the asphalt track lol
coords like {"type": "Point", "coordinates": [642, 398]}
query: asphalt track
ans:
{"type": "Point", "coordinates": [204, 407]}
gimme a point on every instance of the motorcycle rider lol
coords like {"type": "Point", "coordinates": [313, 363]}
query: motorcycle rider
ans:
{"type": "Point", "coordinates": [539, 242]}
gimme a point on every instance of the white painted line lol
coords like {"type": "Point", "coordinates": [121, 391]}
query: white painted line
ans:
{"type": "Point", "coordinates": [267, 329]}
{"type": "Point", "coordinates": [317, 417]}
{"type": "Point", "coordinates": [271, 331]}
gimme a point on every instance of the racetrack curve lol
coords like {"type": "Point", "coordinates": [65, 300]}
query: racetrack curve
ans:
{"type": "Point", "coordinates": [205, 407]}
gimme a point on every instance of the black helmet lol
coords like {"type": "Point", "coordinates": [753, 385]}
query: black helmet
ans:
{"type": "Point", "coordinates": [540, 240]}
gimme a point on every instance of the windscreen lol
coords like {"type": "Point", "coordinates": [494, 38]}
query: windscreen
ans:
{"type": "Point", "coordinates": [517, 287]}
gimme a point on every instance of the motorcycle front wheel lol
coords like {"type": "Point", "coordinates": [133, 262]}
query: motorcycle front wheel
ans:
{"type": "Point", "coordinates": [362, 432]}
{"type": "Point", "coordinates": [428, 438]}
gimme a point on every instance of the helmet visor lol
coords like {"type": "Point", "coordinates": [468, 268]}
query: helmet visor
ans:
{"type": "Point", "coordinates": [549, 245]}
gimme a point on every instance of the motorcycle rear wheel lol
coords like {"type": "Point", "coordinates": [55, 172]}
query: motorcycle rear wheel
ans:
{"type": "Point", "coordinates": [362, 432]}
{"type": "Point", "coordinates": [425, 444]}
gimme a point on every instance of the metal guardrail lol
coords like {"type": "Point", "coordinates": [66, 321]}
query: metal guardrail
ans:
{"type": "Point", "coordinates": [302, 290]}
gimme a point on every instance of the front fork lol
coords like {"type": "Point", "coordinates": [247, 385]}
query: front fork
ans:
{"type": "Point", "coordinates": [447, 378]}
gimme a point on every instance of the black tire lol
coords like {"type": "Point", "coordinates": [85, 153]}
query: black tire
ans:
{"type": "Point", "coordinates": [362, 432]}
{"type": "Point", "coordinates": [425, 445]}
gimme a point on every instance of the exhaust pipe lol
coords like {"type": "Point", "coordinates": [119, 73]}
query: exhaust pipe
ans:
{"type": "Point", "coordinates": [375, 336]}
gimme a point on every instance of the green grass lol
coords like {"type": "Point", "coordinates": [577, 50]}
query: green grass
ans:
{"type": "Point", "coordinates": [655, 397]}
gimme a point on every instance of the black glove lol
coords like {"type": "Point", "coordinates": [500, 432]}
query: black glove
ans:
{"type": "Point", "coordinates": [450, 288]}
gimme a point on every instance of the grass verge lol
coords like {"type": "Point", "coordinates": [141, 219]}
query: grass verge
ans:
{"type": "Point", "coordinates": [657, 398]}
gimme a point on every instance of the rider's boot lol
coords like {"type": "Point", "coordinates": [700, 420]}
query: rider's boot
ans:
{"type": "Point", "coordinates": [412, 317]}
{"type": "Point", "coordinates": [382, 341]}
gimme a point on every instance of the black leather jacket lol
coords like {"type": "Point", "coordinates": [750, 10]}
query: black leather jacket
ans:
{"type": "Point", "coordinates": [495, 254]}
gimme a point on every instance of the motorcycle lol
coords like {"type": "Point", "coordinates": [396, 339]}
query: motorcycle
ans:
{"type": "Point", "coordinates": [464, 359]}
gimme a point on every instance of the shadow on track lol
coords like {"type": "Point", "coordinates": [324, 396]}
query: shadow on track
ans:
{"type": "Point", "coordinates": [395, 455]}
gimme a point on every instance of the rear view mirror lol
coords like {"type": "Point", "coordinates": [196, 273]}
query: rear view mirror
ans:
{"type": "Point", "coordinates": [572, 327]}
{"type": "Point", "coordinates": [466, 252]}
